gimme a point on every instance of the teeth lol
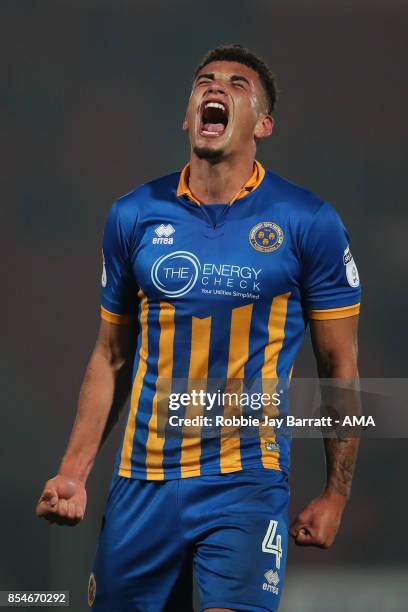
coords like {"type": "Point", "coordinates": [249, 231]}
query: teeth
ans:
{"type": "Point", "coordinates": [215, 105]}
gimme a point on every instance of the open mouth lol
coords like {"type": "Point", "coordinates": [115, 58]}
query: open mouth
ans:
{"type": "Point", "coordinates": [214, 119]}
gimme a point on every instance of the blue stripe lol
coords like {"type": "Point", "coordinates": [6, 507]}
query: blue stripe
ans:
{"type": "Point", "coordinates": [294, 333]}
{"type": "Point", "coordinates": [217, 374]}
{"type": "Point", "coordinates": [134, 370]}
{"type": "Point", "coordinates": [258, 337]}
{"type": "Point", "coordinates": [144, 410]}
{"type": "Point", "coordinates": [181, 360]}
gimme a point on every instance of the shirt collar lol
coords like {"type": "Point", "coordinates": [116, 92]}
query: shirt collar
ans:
{"type": "Point", "coordinates": [256, 179]}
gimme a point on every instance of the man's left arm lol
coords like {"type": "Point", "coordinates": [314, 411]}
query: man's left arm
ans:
{"type": "Point", "coordinates": [335, 347]}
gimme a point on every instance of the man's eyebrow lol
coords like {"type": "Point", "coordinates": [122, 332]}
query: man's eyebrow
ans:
{"type": "Point", "coordinates": [206, 75]}
{"type": "Point", "coordinates": [233, 78]}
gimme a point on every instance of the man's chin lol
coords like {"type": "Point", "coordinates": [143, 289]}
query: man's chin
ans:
{"type": "Point", "coordinates": [209, 153]}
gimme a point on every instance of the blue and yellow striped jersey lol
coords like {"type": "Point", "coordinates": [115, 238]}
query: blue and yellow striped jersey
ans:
{"type": "Point", "coordinates": [224, 299]}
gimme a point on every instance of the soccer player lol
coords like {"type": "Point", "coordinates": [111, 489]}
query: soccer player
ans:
{"type": "Point", "coordinates": [211, 273]}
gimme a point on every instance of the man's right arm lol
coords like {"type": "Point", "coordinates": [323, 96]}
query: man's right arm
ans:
{"type": "Point", "coordinates": [104, 391]}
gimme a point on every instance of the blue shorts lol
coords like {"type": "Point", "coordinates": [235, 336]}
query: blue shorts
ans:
{"type": "Point", "coordinates": [232, 528]}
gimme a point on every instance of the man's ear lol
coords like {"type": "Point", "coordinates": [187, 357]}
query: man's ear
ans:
{"type": "Point", "coordinates": [264, 126]}
{"type": "Point", "coordinates": [185, 124]}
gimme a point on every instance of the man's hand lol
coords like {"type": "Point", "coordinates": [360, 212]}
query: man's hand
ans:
{"type": "Point", "coordinates": [63, 501]}
{"type": "Point", "coordinates": [104, 391]}
{"type": "Point", "coordinates": [318, 523]}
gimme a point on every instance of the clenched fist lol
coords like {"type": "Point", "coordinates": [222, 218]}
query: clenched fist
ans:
{"type": "Point", "coordinates": [318, 523]}
{"type": "Point", "coordinates": [63, 501]}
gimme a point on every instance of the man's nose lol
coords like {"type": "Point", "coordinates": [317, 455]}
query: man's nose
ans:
{"type": "Point", "coordinates": [216, 88]}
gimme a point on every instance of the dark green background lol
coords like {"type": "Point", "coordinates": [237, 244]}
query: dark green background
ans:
{"type": "Point", "coordinates": [92, 100]}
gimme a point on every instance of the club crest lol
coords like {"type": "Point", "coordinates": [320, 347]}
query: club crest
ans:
{"type": "Point", "coordinates": [266, 237]}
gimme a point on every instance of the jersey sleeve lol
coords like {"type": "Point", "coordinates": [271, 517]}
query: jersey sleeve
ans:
{"type": "Point", "coordinates": [119, 299]}
{"type": "Point", "coordinates": [331, 283]}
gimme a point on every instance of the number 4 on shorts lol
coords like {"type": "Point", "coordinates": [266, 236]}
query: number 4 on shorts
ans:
{"type": "Point", "coordinates": [268, 545]}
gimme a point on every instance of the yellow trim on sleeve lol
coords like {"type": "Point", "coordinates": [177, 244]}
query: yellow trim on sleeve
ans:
{"type": "Point", "coordinates": [256, 179]}
{"type": "Point", "coordinates": [335, 313]}
{"type": "Point", "coordinates": [116, 319]}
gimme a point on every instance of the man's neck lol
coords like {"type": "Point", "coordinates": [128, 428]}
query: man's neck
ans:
{"type": "Point", "coordinates": [218, 183]}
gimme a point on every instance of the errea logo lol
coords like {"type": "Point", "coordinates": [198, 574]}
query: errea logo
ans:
{"type": "Point", "coordinates": [163, 234]}
{"type": "Point", "coordinates": [272, 581]}
{"type": "Point", "coordinates": [272, 577]}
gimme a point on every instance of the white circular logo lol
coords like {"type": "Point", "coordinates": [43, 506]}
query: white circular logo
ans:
{"type": "Point", "coordinates": [175, 274]}
{"type": "Point", "coordinates": [352, 274]}
{"type": "Point", "coordinates": [104, 279]}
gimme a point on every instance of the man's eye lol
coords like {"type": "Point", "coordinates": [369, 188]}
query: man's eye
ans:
{"type": "Point", "coordinates": [238, 84]}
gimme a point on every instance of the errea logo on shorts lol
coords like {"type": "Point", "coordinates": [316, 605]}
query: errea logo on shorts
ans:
{"type": "Point", "coordinates": [272, 581]}
{"type": "Point", "coordinates": [163, 234]}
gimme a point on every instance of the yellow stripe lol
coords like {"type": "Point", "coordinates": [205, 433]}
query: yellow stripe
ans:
{"type": "Point", "coordinates": [155, 444]}
{"type": "Point", "coordinates": [276, 333]}
{"type": "Point", "coordinates": [116, 319]}
{"type": "Point", "coordinates": [230, 455]}
{"type": "Point", "coordinates": [197, 375]}
{"type": "Point", "coordinates": [126, 456]}
{"type": "Point", "coordinates": [335, 313]}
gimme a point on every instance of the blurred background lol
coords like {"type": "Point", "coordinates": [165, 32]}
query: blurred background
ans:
{"type": "Point", "coordinates": [92, 100]}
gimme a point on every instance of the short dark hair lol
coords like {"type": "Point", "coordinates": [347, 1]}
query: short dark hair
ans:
{"type": "Point", "coordinates": [242, 55]}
